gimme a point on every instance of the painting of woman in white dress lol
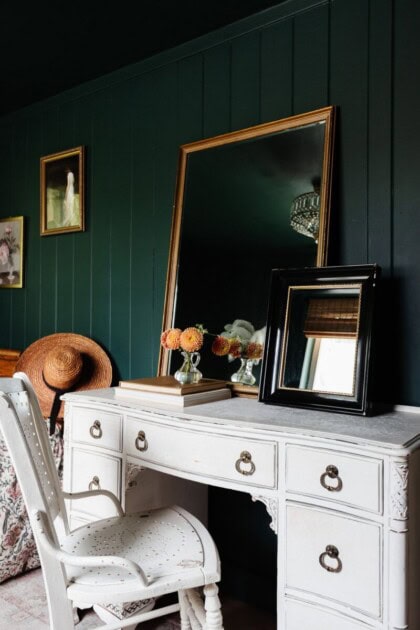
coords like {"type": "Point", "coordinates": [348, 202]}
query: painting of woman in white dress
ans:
{"type": "Point", "coordinates": [62, 204]}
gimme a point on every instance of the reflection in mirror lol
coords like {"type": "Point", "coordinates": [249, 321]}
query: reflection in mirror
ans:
{"type": "Point", "coordinates": [246, 202]}
{"type": "Point", "coordinates": [322, 331]}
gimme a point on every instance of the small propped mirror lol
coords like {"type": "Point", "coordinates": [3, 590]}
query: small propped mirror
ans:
{"type": "Point", "coordinates": [319, 332]}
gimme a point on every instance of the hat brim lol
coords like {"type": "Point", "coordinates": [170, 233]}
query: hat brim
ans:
{"type": "Point", "coordinates": [96, 372]}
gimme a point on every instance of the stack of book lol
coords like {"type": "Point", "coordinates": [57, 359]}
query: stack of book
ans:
{"type": "Point", "coordinates": [167, 390]}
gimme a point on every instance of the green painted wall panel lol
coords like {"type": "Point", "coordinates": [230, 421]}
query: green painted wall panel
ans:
{"type": "Point", "coordinates": [277, 71]}
{"type": "Point", "coordinates": [82, 261]}
{"type": "Point", "coordinates": [142, 347]}
{"type": "Point", "coordinates": [245, 77]}
{"type": "Point", "coordinates": [216, 91]}
{"type": "Point", "coordinates": [100, 218]}
{"type": "Point", "coordinates": [349, 83]}
{"type": "Point", "coordinates": [311, 72]}
{"type": "Point", "coordinates": [406, 196]}
{"type": "Point", "coordinates": [168, 134]}
{"type": "Point", "coordinates": [120, 147]}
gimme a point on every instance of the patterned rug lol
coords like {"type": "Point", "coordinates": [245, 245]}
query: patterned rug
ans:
{"type": "Point", "coordinates": [23, 606]}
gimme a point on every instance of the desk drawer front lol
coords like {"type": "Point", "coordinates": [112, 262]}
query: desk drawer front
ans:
{"type": "Point", "coordinates": [352, 574]}
{"type": "Point", "coordinates": [92, 471]}
{"type": "Point", "coordinates": [90, 426]}
{"type": "Point", "coordinates": [245, 461]}
{"type": "Point", "coordinates": [300, 616]}
{"type": "Point", "coordinates": [355, 481]}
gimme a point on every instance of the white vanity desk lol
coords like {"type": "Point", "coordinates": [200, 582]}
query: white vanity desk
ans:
{"type": "Point", "coordinates": [336, 488]}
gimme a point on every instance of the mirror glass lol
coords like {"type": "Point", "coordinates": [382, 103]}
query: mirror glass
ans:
{"type": "Point", "coordinates": [246, 202]}
{"type": "Point", "coordinates": [320, 351]}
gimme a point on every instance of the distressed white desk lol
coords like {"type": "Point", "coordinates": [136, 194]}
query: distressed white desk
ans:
{"type": "Point", "coordinates": [342, 492]}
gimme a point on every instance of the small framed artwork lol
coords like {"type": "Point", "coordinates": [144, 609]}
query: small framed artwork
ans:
{"type": "Point", "coordinates": [62, 192]}
{"type": "Point", "coordinates": [318, 340]}
{"type": "Point", "coordinates": [11, 253]}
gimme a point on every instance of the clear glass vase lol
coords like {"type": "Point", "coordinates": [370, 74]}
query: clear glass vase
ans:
{"type": "Point", "coordinates": [11, 268]}
{"type": "Point", "coordinates": [188, 372]}
{"type": "Point", "coordinates": [244, 375]}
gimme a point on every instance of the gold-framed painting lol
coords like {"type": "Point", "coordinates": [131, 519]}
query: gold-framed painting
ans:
{"type": "Point", "coordinates": [62, 192]}
{"type": "Point", "coordinates": [11, 253]}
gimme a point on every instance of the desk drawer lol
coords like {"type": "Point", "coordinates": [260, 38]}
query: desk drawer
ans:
{"type": "Point", "coordinates": [348, 479]}
{"type": "Point", "coordinates": [300, 615]}
{"type": "Point", "coordinates": [91, 426]}
{"type": "Point", "coordinates": [353, 577]}
{"type": "Point", "coordinates": [91, 471]}
{"type": "Point", "coordinates": [244, 461]}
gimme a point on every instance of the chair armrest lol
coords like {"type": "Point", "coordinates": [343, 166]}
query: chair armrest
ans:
{"type": "Point", "coordinates": [44, 537]}
{"type": "Point", "coordinates": [91, 493]}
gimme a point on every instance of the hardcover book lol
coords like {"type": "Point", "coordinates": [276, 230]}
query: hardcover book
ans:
{"type": "Point", "coordinates": [169, 385]}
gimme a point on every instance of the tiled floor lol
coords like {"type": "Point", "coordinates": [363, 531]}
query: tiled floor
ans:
{"type": "Point", "coordinates": [23, 607]}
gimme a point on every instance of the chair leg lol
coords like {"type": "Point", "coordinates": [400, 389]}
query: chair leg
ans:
{"type": "Point", "coordinates": [184, 610]}
{"type": "Point", "coordinates": [214, 619]}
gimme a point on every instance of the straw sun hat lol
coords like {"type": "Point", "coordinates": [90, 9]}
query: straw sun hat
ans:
{"type": "Point", "coordinates": [61, 363]}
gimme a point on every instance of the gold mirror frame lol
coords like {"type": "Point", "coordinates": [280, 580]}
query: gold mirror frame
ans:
{"type": "Point", "coordinates": [325, 115]}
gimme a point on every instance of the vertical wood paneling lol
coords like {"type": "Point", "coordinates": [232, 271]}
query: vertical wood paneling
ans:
{"type": "Point", "coordinates": [17, 297]}
{"type": "Point", "coordinates": [67, 139]}
{"type": "Point", "coordinates": [142, 259]}
{"type": "Point", "coordinates": [380, 134]}
{"type": "Point", "coordinates": [216, 91]}
{"type": "Point", "coordinates": [7, 209]}
{"type": "Point", "coordinates": [82, 260]}
{"type": "Point", "coordinates": [100, 219]}
{"type": "Point", "coordinates": [167, 139]}
{"type": "Point", "coordinates": [245, 107]}
{"type": "Point", "coordinates": [407, 197]}
{"type": "Point", "coordinates": [119, 204]}
{"type": "Point", "coordinates": [349, 81]}
{"type": "Point", "coordinates": [48, 278]}
{"type": "Point", "coordinates": [33, 241]}
{"type": "Point", "coordinates": [311, 71]}
{"type": "Point", "coordinates": [380, 202]}
{"type": "Point", "coordinates": [277, 71]}
{"type": "Point", "coordinates": [48, 287]}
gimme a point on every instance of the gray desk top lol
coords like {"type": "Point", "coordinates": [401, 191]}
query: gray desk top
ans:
{"type": "Point", "coordinates": [393, 429]}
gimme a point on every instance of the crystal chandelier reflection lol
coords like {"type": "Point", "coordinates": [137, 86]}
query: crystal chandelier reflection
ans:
{"type": "Point", "coordinates": [304, 214]}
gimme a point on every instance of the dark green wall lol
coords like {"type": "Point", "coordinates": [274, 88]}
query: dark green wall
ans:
{"type": "Point", "coordinates": [108, 283]}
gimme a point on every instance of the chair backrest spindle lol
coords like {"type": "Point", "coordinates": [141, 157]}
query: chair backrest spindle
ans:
{"type": "Point", "coordinates": [26, 435]}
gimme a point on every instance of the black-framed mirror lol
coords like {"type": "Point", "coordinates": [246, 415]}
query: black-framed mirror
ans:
{"type": "Point", "coordinates": [245, 202]}
{"type": "Point", "coordinates": [319, 338]}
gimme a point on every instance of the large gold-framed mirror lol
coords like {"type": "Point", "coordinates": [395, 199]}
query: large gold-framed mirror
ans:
{"type": "Point", "coordinates": [246, 202]}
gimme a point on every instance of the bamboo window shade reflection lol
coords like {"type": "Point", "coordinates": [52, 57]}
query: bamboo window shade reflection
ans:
{"type": "Point", "coordinates": [332, 318]}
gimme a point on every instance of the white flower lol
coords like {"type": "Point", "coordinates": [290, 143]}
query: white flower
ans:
{"type": "Point", "coordinates": [239, 328]}
{"type": "Point", "coordinates": [259, 336]}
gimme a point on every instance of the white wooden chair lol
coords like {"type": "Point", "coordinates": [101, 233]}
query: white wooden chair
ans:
{"type": "Point", "coordinates": [120, 559]}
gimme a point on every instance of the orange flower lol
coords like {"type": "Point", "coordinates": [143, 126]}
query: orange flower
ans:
{"type": "Point", "coordinates": [254, 350]}
{"type": "Point", "coordinates": [191, 339]}
{"type": "Point", "coordinates": [220, 346]}
{"type": "Point", "coordinates": [235, 347]}
{"type": "Point", "coordinates": [170, 338]}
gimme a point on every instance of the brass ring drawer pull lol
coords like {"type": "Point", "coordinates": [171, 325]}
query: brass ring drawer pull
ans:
{"type": "Point", "coordinates": [141, 442]}
{"type": "Point", "coordinates": [333, 553]}
{"type": "Point", "coordinates": [95, 482]}
{"type": "Point", "coordinates": [96, 430]}
{"type": "Point", "coordinates": [332, 473]}
{"type": "Point", "coordinates": [245, 458]}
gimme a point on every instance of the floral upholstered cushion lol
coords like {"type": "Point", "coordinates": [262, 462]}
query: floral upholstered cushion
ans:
{"type": "Point", "coordinates": [17, 545]}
